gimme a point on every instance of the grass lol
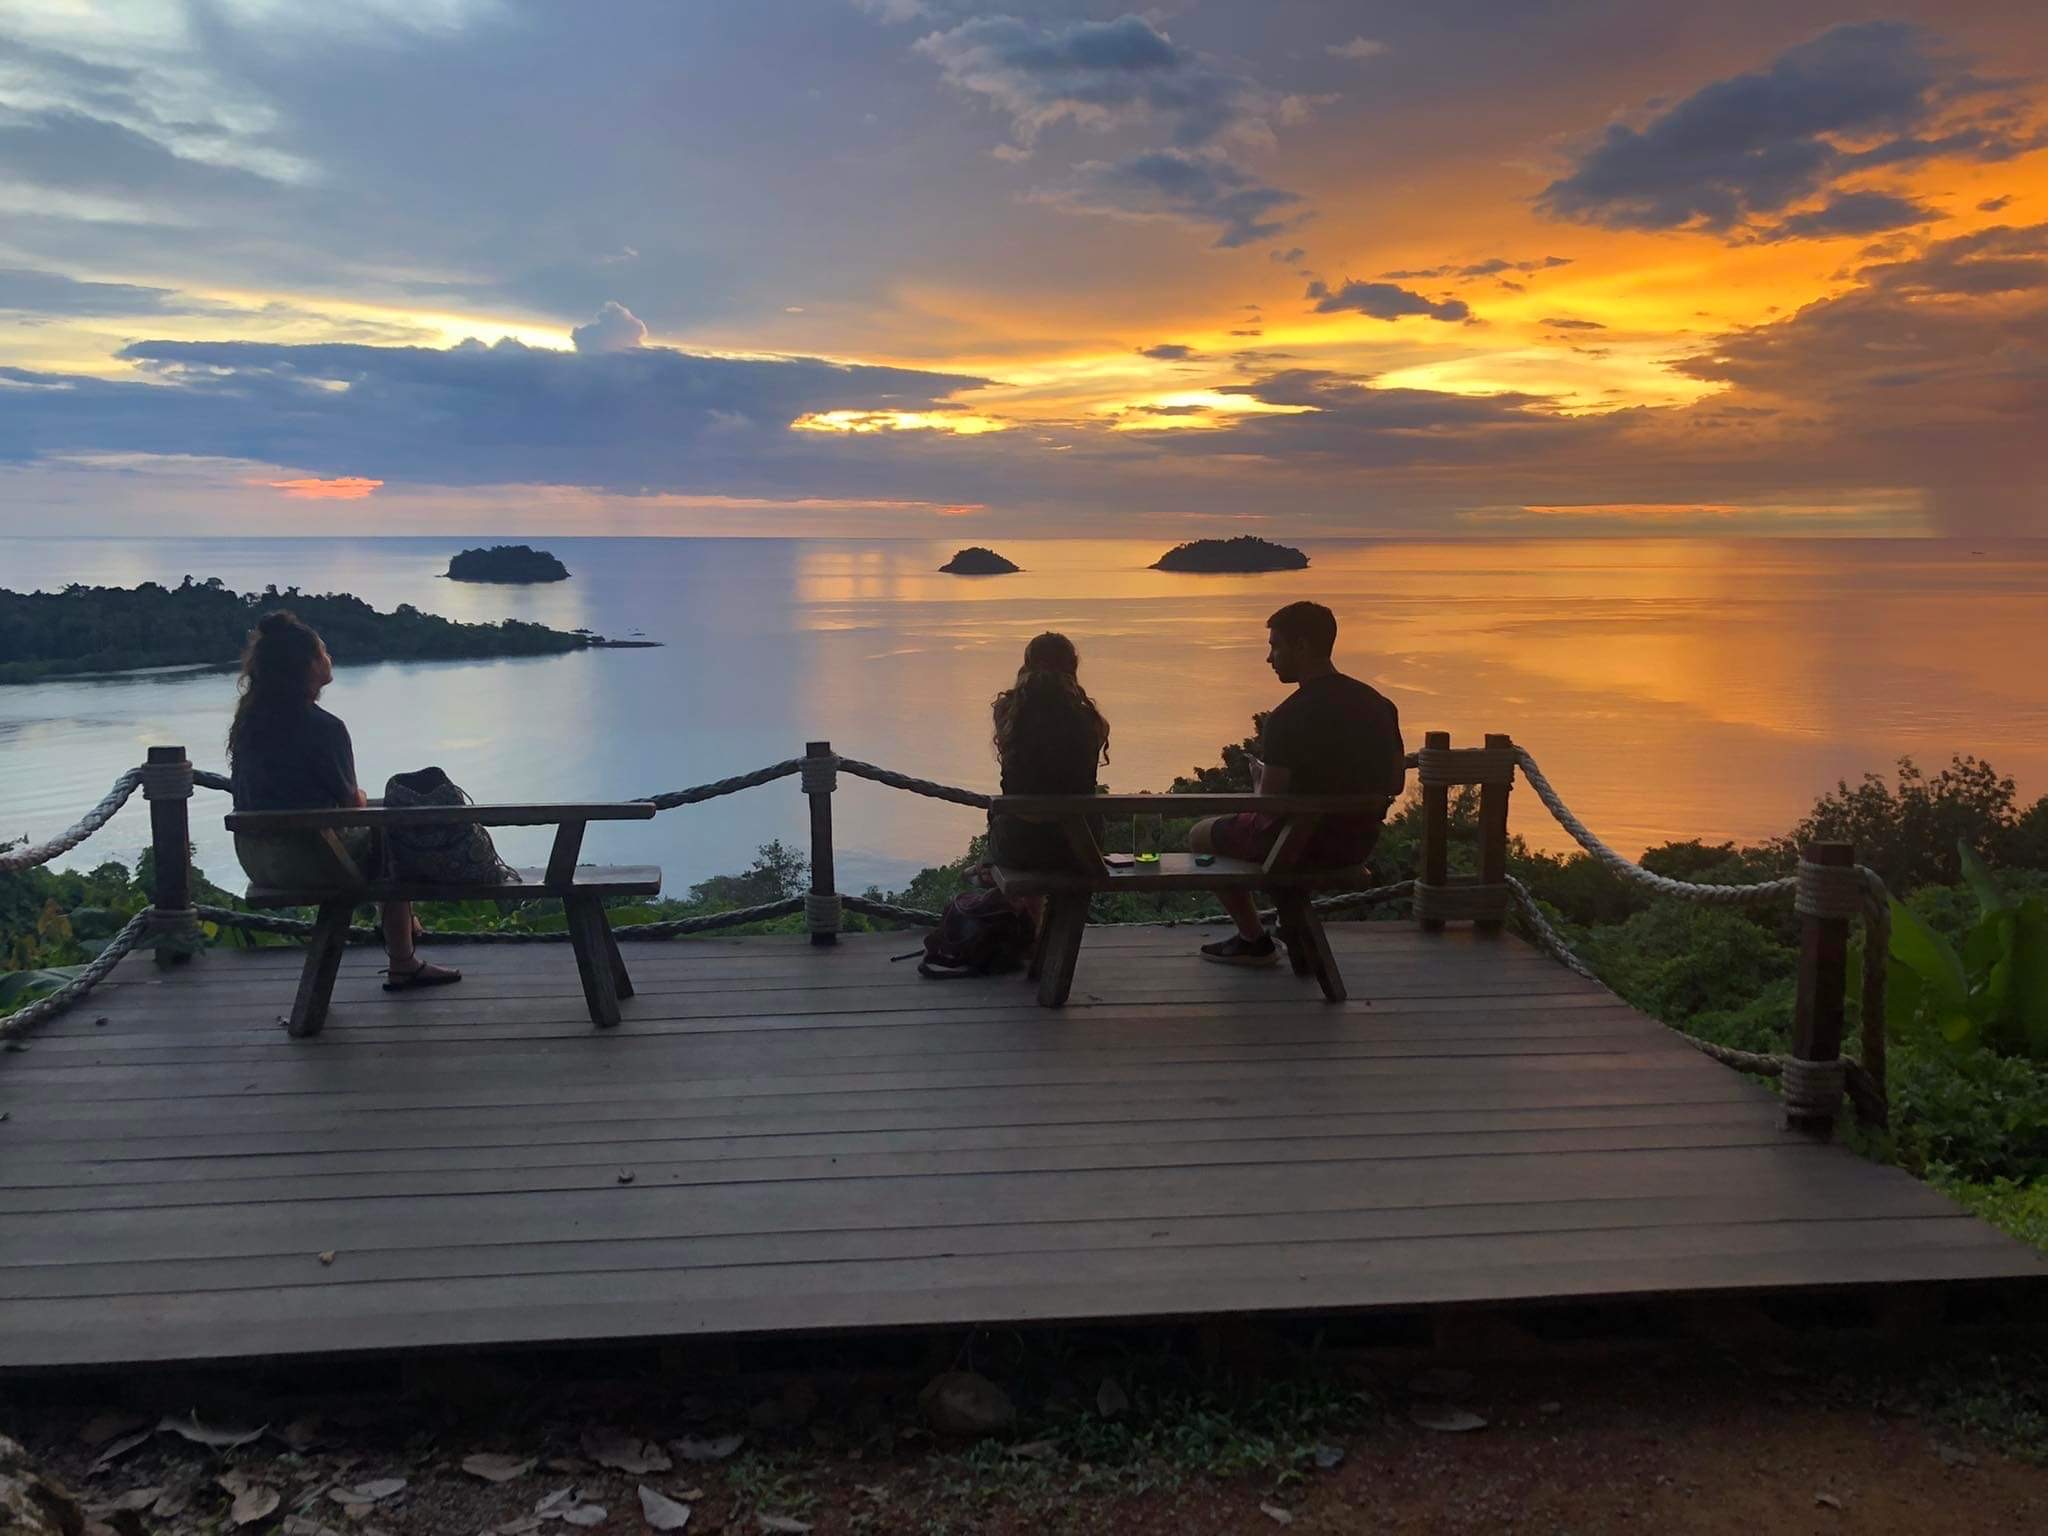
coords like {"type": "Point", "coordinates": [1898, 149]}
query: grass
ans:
{"type": "Point", "coordinates": [2011, 1205]}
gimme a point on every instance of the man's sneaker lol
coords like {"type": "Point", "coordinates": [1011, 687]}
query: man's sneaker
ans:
{"type": "Point", "coordinates": [1239, 950]}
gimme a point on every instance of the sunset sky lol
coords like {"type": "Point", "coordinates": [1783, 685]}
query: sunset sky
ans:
{"type": "Point", "coordinates": [931, 267]}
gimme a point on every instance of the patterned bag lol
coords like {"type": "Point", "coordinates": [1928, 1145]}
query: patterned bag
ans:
{"type": "Point", "coordinates": [450, 853]}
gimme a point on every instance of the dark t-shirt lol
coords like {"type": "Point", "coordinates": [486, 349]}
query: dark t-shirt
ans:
{"type": "Point", "coordinates": [1336, 736]}
{"type": "Point", "coordinates": [302, 762]}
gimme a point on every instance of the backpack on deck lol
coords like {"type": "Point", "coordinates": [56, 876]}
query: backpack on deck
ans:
{"type": "Point", "coordinates": [981, 933]}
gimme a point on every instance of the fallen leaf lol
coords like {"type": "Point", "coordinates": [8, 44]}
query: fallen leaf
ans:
{"type": "Point", "coordinates": [1276, 1514]}
{"type": "Point", "coordinates": [138, 1499]}
{"type": "Point", "coordinates": [575, 1466]}
{"type": "Point", "coordinates": [625, 1175]}
{"type": "Point", "coordinates": [624, 1452]}
{"type": "Point", "coordinates": [1035, 1450]}
{"type": "Point", "coordinates": [496, 1467]}
{"type": "Point", "coordinates": [191, 1429]}
{"type": "Point", "coordinates": [661, 1512]}
{"type": "Point", "coordinates": [559, 1496]}
{"type": "Point", "coordinates": [102, 1427]}
{"type": "Point", "coordinates": [253, 1502]}
{"type": "Point", "coordinates": [1827, 1501]}
{"type": "Point", "coordinates": [328, 1256]}
{"type": "Point", "coordinates": [120, 1448]}
{"type": "Point", "coordinates": [367, 1493]}
{"type": "Point", "coordinates": [787, 1524]}
{"type": "Point", "coordinates": [1329, 1457]}
{"type": "Point", "coordinates": [173, 1503]}
{"type": "Point", "coordinates": [692, 1448]}
{"type": "Point", "coordinates": [1444, 1417]}
{"type": "Point", "coordinates": [585, 1514]}
{"type": "Point", "coordinates": [1110, 1398]}
{"type": "Point", "coordinates": [520, 1527]}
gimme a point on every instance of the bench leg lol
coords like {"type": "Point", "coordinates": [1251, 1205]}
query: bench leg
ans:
{"type": "Point", "coordinates": [622, 983]}
{"type": "Point", "coordinates": [323, 963]}
{"type": "Point", "coordinates": [1039, 939]}
{"type": "Point", "coordinates": [1316, 943]}
{"type": "Point", "coordinates": [588, 938]}
{"type": "Point", "coordinates": [1068, 916]}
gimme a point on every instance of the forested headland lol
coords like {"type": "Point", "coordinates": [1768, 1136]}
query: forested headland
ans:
{"type": "Point", "coordinates": [204, 623]}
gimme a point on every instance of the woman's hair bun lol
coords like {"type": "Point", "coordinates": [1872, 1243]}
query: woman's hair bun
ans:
{"type": "Point", "coordinates": [278, 622]}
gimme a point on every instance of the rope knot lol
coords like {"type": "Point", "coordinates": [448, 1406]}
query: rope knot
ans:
{"type": "Point", "coordinates": [1812, 1087]}
{"type": "Point", "coordinates": [167, 781]}
{"type": "Point", "coordinates": [820, 775]}
{"type": "Point", "coordinates": [1829, 890]}
{"type": "Point", "coordinates": [822, 911]}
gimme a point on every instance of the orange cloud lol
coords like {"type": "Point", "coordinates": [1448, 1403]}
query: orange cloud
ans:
{"type": "Point", "coordinates": [342, 488]}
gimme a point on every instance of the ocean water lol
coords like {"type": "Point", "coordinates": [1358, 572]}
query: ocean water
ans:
{"type": "Point", "coordinates": [1671, 688]}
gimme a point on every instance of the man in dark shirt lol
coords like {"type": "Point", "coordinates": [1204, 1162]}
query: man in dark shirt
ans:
{"type": "Point", "coordinates": [1332, 736]}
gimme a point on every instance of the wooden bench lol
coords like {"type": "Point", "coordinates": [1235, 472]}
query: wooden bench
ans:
{"type": "Point", "coordinates": [1281, 874]}
{"type": "Point", "coordinates": [581, 887]}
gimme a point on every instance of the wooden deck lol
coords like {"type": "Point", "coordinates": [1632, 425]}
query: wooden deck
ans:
{"type": "Point", "coordinates": [786, 1138]}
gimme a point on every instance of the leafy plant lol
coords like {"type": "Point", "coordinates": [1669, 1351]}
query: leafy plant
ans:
{"type": "Point", "coordinates": [1991, 989]}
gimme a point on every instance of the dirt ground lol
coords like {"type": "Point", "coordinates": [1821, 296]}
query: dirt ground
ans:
{"type": "Point", "coordinates": [1131, 1435]}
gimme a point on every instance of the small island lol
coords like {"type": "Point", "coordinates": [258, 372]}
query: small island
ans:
{"type": "Point", "coordinates": [1243, 553]}
{"type": "Point", "coordinates": [510, 563]}
{"type": "Point", "coordinates": [976, 561]}
{"type": "Point", "coordinates": [205, 623]}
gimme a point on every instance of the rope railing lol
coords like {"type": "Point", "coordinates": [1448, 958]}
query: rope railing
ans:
{"type": "Point", "coordinates": [12, 859]}
{"type": "Point", "coordinates": [51, 1004]}
{"type": "Point", "coordinates": [1837, 892]}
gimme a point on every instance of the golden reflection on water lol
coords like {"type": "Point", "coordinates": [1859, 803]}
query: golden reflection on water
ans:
{"type": "Point", "coordinates": [1670, 688]}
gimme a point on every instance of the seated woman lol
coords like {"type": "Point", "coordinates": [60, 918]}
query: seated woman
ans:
{"type": "Point", "coordinates": [1050, 738]}
{"type": "Point", "coordinates": [286, 753]}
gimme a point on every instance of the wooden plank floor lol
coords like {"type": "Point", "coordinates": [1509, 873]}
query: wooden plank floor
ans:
{"type": "Point", "coordinates": [816, 1138]}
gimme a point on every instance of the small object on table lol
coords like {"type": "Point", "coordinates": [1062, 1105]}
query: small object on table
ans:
{"type": "Point", "coordinates": [1205, 859]}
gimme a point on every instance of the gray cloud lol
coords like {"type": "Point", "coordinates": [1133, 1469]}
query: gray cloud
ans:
{"type": "Point", "coordinates": [1855, 98]}
{"type": "Point", "coordinates": [1566, 323]}
{"type": "Point", "coordinates": [1201, 190]}
{"type": "Point", "coordinates": [614, 329]}
{"type": "Point", "coordinates": [1099, 74]}
{"type": "Point", "coordinates": [1383, 301]}
{"type": "Point", "coordinates": [1854, 213]}
{"type": "Point", "coordinates": [1490, 268]}
{"type": "Point", "coordinates": [51, 293]}
{"type": "Point", "coordinates": [1168, 352]}
{"type": "Point", "coordinates": [1995, 204]}
{"type": "Point", "coordinates": [647, 417]}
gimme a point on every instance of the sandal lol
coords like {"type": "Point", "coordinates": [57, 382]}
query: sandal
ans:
{"type": "Point", "coordinates": [421, 975]}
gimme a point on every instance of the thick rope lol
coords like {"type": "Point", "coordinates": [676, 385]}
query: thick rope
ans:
{"type": "Point", "coordinates": [869, 907]}
{"type": "Point", "coordinates": [208, 780]}
{"type": "Point", "coordinates": [820, 775]}
{"type": "Point", "coordinates": [702, 792]}
{"type": "Point", "coordinates": [41, 853]}
{"type": "Point", "coordinates": [24, 1019]}
{"type": "Point", "coordinates": [904, 781]}
{"type": "Point", "coordinates": [1628, 869]}
{"type": "Point", "coordinates": [822, 912]}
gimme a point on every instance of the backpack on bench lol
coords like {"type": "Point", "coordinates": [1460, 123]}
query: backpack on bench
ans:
{"type": "Point", "coordinates": [981, 933]}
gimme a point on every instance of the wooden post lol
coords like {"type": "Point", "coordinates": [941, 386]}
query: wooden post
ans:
{"type": "Point", "coordinates": [1436, 829]}
{"type": "Point", "coordinates": [823, 882]}
{"type": "Point", "coordinates": [1823, 975]}
{"type": "Point", "coordinates": [170, 839]}
{"type": "Point", "coordinates": [1493, 833]}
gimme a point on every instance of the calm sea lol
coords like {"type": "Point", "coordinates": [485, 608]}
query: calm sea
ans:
{"type": "Point", "coordinates": [1671, 688]}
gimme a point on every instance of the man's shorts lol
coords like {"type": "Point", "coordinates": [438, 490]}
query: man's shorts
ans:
{"type": "Point", "coordinates": [1335, 844]}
